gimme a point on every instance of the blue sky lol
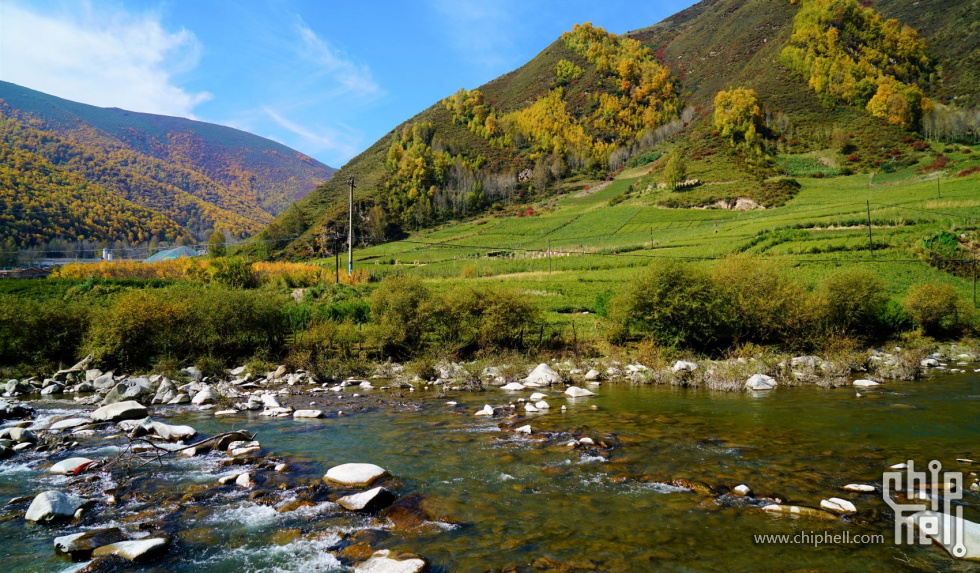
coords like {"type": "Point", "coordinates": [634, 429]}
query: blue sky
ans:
{"type": "Point", "coordinates": [327, 78]}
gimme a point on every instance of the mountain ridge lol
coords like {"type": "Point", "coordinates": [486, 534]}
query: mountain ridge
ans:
{"type": "Point", "coordinates": [197, 175]}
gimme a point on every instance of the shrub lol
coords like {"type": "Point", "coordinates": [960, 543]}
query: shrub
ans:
{"type": "Point", "coordinates": [936, 308]}
{"type": "Point", "coordinates": [468, 319]}
{"type": "Point", "coordinates": [40, 334]}
{"type": "Point", "coordinates": [853, 302]}
{"type": "Point", "coordinates": [675, 304]}
{"type": "Point", "coordinates": [763, 304]}
{"type": "Point", "coordinates": [185, 324]}
{"type": "Point", "coordinates": [401, 308]}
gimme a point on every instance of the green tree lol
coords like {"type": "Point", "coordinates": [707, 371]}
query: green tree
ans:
{"type": "Point", "coordinates": [216, 244]}
{"type": "Point", "coordinates": [676, 170]}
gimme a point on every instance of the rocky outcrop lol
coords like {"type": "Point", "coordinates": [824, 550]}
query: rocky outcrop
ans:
{"type": "Point", "coordinates": [79, 546]}
{"type": "Point", "coordinates": [386, 561]}
{"type": "Point", "coordinates": [53, 506]}
{"type": "Point", "coordinates": [368, 501]}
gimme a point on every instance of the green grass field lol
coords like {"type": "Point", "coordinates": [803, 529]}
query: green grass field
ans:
{"type": "Point", "coordinates": [577, 246]}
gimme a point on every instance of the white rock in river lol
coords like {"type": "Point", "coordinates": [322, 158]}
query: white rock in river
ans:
{"type": "Point", "coordinates": [576, 392]}
{"type": "Point", "coordinates": [368, 501]}
{"type": "Point", "coordinates": [838, 506]}
{"type": "Point", "coordinates": [138, 550]}
{"type": "Point", "coordinates": [538, 396]}
{"type": "Point", "coordinates": [593, 375]}
{"type": "Point", "coordinates": [205, 396]}
{"type": "Point", "coordinates": [529, 407]}
{"type": "Point", "coordinates": [866, 383]}
{"type": "Point", "coordinates": [17, 434]}
{"type": "Point", "coordinates": [859, 488]}
{"type": "Point", "coordinates": [385, 562]}
{"type": "Point", "coordinates": [541, 405]}
{"type": "Point", "coordinates": [79, 546]}
{"type": "Point", "coordinates": [929, 363]}
{"type": "Point", "coordinates": [270, 401]}
{"type": "Point", "coordinates": [52, 506]}
{"type": "Point", "coordinates": [682, 366]}
{"type": "Point", "coordinates": [308, 414]}
{"type": "Point", "coordinates": [513, 386]}
{"type": "Point", "coordinates": [760, 382]}
{"type": "Point", "coordinates": [356, 475]}
{"type": "Point", "coordinates": [486, 411]}
{"type": "Point", "coordinates": [542, 375]}
{"type": "Point", "coordinates": [245, 480]}
{"type": "Point", "coordinates": [128, 410]}
{"type": "Point", "coordinates": [69, 423]}
{"type": "Point", "coordinates": [65, 467]}
{"type": "Point", "coordinates": [742, 490]}
{"type": "Point", "coordinates": [933, 524]}
{"type": "Point", "coordinates": [525, 429]}
{"type": "Point", "coordinates": [172, 433]}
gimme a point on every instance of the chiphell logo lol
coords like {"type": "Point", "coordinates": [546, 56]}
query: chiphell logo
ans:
{"type": "Point", "coordinates": [930, 507]}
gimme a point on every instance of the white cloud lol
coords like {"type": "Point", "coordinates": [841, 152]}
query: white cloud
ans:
{"type": "Point", "coordinates": [318, 140]}
{"type": "Point", "coordinates": [104, 59]}
{"type": "Point", "coordinates": [352, 77]}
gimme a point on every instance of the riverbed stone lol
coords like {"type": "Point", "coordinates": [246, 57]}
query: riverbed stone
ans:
{"type": "Point", "coordinates": [172, 433]}
{"type": "Point", "coordinates": [859, 488]}
{"type": "Point", "coordinates": [368, 501]}
{"type": "Point", "coordinates": [838, 506]}
{"type": "Point", "coordinates": [69, 424]}
{"type": "Point", "coordinates": [742, 490]}
{"type": "Point", "coordinates": [204, 396]}
{"type": "Point", "coordinates": [759, 382]}
{"type": "Point", "coordinates": [136, 389]}
{"type": "Point", "coordinates": [52, 506]}
{"type": "Point", "coordinates": [576, 392]}
{"type": "Point", "coordinates": [866, 383]}
{"type": "Point", "coordinates": [308, 414]}
{"type": "Point", "coordinates": [9, 411]}
{"type": "Point", "coordinates": [512, 387]}
{"type": "Point", "coordinates": [79, 546]}
{"type": "Point", "coordinates": [542, 375]}
{"type": "Point", "coordinates": [386, 561]}
{"type": "Point", "coordinates": [128, 410]}
{"type": "Point", "coordinates": [68, 466]}
{"type": "Point", "coordinates": [136, 550]}
{"type": "Point", "coordinates": [18, 435]}
{"type": "Point", "coordinates": [933, 525]}
{"type": "Point", "coordinates": [684, 366]}
{"type": "Point", "coordinates": [486, 411]}
{"type": "Point", "coordinates": [355, 474]}
{"type": "Point", "coordinates": [799, 511]}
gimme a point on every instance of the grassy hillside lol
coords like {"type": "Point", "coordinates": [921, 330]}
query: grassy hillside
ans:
{"type": "Point", "coordinates": [196, 175]}
{"type": "Point", "coordinates": [712, 46]}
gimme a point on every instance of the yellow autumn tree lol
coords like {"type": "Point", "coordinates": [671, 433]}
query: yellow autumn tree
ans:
{"type": "Point", "coordinates": [738, 117]}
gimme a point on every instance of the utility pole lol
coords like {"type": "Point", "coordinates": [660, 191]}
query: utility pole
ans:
{"type": "Point", "coordinates": [336, 255]}
{"type": "Point", "coordinates": [871, 245]}
{"type": "Point", "coordinates": [350, 230]}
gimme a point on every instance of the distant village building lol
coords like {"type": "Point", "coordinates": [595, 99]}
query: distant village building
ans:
{"type": "Point", "coordinates": [171, 254]}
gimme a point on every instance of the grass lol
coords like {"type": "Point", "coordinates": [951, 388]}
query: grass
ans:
{"type": "Point", "coordinates": [596, 248]}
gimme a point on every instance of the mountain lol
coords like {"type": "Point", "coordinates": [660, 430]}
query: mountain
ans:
{"type": "Point", "coordinates": [726, 100]}
{"type": "Point", "coordinates": [75, 172]}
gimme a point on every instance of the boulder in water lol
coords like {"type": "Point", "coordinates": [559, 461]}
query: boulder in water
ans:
{"type": "Point", "coordinates": [386, 561]}
{"type": "Point", "coordinates": [542, 375]}
{"type": "Point", "coordinates": [69, 466]}
{"type": "Point", "coordinates": [368, 501]}
{"type": "Point", "coordinates": [119, 411]}
{"type": "Point", "coordinates": [934, 524]}
{"type": "Point", "coordinates": [838, 506]}
{"type": "Point", "coordinates": [137, 550]}
{"type": "Point", "coordinates": [576, 392]}
{"type": "Point", "coordinates": [355, 475]}
{"type": "Point", "coordinates": [53, 506]}
{"type": "Point", "coordinates": [79, 546]}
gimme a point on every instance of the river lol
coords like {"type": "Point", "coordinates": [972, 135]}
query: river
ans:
{"type": "Point", "coordinates": [657, 499]}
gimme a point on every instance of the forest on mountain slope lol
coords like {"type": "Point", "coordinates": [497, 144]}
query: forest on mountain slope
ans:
{"type": "Point", "coordinates": [730, 92]}
{"type": "Point", "coordinates": [94, 176]}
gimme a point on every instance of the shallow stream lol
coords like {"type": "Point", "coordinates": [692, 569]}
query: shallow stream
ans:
{"type": "Point", "coordinates": [657, 499]}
